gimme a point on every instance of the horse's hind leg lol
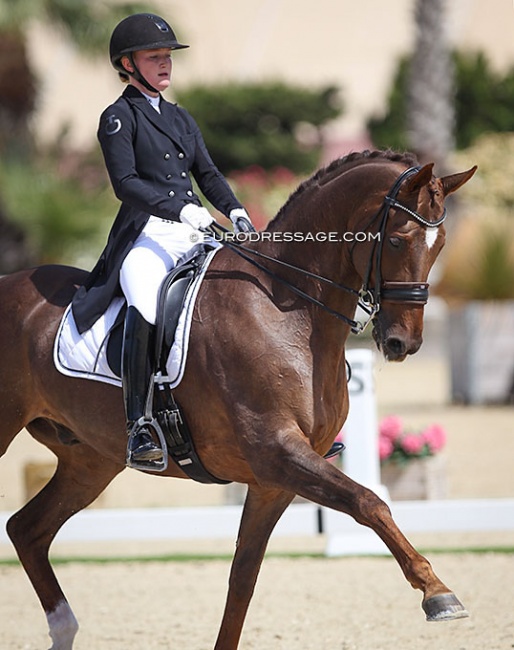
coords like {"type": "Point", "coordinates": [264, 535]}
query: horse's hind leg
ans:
{"type": "Point", "coordinates": [263, 508]}
{"type": "Point", "coordinates": [79, 478]}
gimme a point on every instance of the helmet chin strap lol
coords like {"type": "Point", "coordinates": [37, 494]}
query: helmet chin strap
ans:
{"type": "Point", "coordinates": [138, 76]}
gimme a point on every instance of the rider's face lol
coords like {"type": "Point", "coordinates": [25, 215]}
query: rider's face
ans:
{"type": "Point", "coordinates": [155, 66]}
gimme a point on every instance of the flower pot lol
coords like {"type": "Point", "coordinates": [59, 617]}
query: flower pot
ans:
{"type": "Point", "coordinates": [417, 479]}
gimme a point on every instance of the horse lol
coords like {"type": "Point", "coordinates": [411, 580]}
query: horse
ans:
{"type": "Point", "coordinates": [265, 384]}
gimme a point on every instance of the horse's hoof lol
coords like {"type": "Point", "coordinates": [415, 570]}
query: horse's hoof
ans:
{"type": "Point", "coordinates": [444, 607]}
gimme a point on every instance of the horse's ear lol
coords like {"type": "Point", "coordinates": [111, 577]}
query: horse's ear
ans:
{"type": "Point", "coordinates": [455, 181]}
{"type": "Point", "coordinates": [418, 180]}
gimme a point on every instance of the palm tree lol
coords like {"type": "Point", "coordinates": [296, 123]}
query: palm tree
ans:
{"type": "Point", "coordinates": [430, 107]}
{"type": "Point", "coordinates": [88, 25]}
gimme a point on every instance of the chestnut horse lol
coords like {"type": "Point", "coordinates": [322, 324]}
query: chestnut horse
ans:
{"type": "Point", "coordinates": [265, 385]}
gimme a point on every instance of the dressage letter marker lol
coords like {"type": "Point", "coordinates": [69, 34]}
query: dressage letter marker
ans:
{"type": "Point", "coordinates": [360, 458]}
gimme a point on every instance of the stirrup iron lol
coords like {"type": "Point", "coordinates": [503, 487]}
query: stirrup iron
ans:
{"type": "Point", "coordinates": [149, 465]}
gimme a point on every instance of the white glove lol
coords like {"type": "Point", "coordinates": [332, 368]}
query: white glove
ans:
{"type": "Point", "coordinates": [241, 220]}
{"type": "Point", "coordinates": [195, 216]}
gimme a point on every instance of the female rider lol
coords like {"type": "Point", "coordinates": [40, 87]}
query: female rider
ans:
{"type": "Point", "coordinates": [151, 148]}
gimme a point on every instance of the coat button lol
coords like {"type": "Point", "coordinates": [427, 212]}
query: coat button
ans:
{"type": "Point", "coordinates": [183, 174]}
{"type": "Point", "coordinates": [171, 193]}
{"type": "Point", "coordinates": [181, 155]}
{"type": "Point", "coordinates": [189, 193]}
{"type": "Point", "coordinates": [167, 156]}
{"type": "Point", "coordinates": [168, 176]}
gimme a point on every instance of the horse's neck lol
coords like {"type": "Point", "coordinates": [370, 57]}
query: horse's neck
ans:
{"type": "Point", "coordinates": [309, 235]}
{"type": "Point", "coordinates": [316, 247]}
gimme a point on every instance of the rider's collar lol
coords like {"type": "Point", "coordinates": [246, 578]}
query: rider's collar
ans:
{"type": "Point", "coordinates": [153, 101]}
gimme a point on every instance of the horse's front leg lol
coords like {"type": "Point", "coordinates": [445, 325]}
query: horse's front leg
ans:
{"type": "Point", "coordinates": [262, 509]}
{"type": "Point", "coordinates": [310, 476]}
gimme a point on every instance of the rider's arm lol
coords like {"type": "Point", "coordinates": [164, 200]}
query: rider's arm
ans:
{"type": "Point", "coordinates": [116, 134]}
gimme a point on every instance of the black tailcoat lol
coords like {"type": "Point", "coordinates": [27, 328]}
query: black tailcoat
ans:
{"type": "Point", "coordinates": [149, 157]}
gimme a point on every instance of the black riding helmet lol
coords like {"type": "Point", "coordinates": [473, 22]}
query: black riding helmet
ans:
{"type": "Point", "coordinates": [140, 32]}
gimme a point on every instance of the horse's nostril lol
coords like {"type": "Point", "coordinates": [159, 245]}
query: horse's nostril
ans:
{"type": "Point", "coordinates": [395, 346]}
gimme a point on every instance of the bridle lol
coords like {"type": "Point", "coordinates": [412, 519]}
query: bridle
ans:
{"type": "Point", "coordinates": [369, 297]}
{"type": "Point", "coordinates": [384, 291]}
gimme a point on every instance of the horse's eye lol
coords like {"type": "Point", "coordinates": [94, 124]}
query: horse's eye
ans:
{"type": "Point", "coordinates": [395, 242]}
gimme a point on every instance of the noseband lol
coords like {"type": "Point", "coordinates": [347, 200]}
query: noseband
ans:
{"type": "Point", "coordinates": [369, 298]}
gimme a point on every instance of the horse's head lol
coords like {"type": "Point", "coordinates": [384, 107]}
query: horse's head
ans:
{"type": "Point", "coordinates": [412, 235]}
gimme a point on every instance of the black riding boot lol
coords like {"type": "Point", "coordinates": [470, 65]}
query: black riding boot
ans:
{"type": "Point", "coordinates": [137, 371]}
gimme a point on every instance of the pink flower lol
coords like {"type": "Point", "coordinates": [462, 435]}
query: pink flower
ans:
{"type": "Point", "coordinates": [435, 437]}
{"type": "Point", "coordinates": [385, 448]}
{"type": "Point", "coordinates": [391, 427]}
{"type": "Point", "coordinates": [282, 175]}
{"type": "Point", "coordinates": [412, 443]}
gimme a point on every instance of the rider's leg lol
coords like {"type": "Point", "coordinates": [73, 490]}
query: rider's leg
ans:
{"type": "Point", "coordinates": [153, 255]}
{"type": "Point", "coordinates": [155, 252]}
{"type": "Point", "coordinates": [137, 370]}
{"type": "Point", "coordinates": [140, 277]}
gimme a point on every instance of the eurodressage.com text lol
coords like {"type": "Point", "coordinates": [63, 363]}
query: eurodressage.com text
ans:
{"type": "Point", "coordinates": [287, 236]}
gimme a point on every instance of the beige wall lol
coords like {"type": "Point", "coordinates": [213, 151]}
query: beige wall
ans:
{"type": "Point", "coordinates": [354, 44]}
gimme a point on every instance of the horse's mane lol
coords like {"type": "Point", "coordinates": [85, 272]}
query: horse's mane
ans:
{"type": "Point", "coordinates": [339, 165]}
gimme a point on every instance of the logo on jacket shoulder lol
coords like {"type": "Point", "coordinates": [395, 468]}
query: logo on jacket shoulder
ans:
{"type": "Point", "coordinates": [112, 125]}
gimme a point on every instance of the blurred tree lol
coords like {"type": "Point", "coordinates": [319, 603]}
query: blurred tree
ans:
{"type": "Point", "coordinates": [269, 125]}
{"type": "Point", "coordinates": [483, 103]}
{"type": "Point", "coordinates": [63, 213]}
{"type": "Point", "coordinates": [17, 94]}
{"type": "Point", "coordinates": [88, 25]}
{"type": "Point", "coordinates": [484, 99]}
{"type": "Point", "coordinates": [15, 251]}
{"type": "Point", "coordinates": [390, 130]}
{"type": "Point", "coordinates": [430, 88]}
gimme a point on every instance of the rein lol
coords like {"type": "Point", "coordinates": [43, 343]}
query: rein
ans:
{"type": "Point", "coordinates": [243, 251]}
{"type": "Point", "coordinates": [369, 299]}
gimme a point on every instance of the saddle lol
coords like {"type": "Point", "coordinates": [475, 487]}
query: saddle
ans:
{"type": "Point", "coordinates": [164, 414]}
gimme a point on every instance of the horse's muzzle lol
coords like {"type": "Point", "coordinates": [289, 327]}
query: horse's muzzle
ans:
{"type": "Point", "coordinates": [395, 344]}
{"type": "Point", "coordinates": [396, 348]}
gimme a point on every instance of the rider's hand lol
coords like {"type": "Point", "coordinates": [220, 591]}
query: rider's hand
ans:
{"type": "Point", "coordinates": [241, 220]}
{"type": "Point", "coordinates": [195, 216]}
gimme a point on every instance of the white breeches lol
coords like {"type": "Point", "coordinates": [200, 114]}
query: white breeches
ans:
{"type": "Point", "coordinates": [155, 252]}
